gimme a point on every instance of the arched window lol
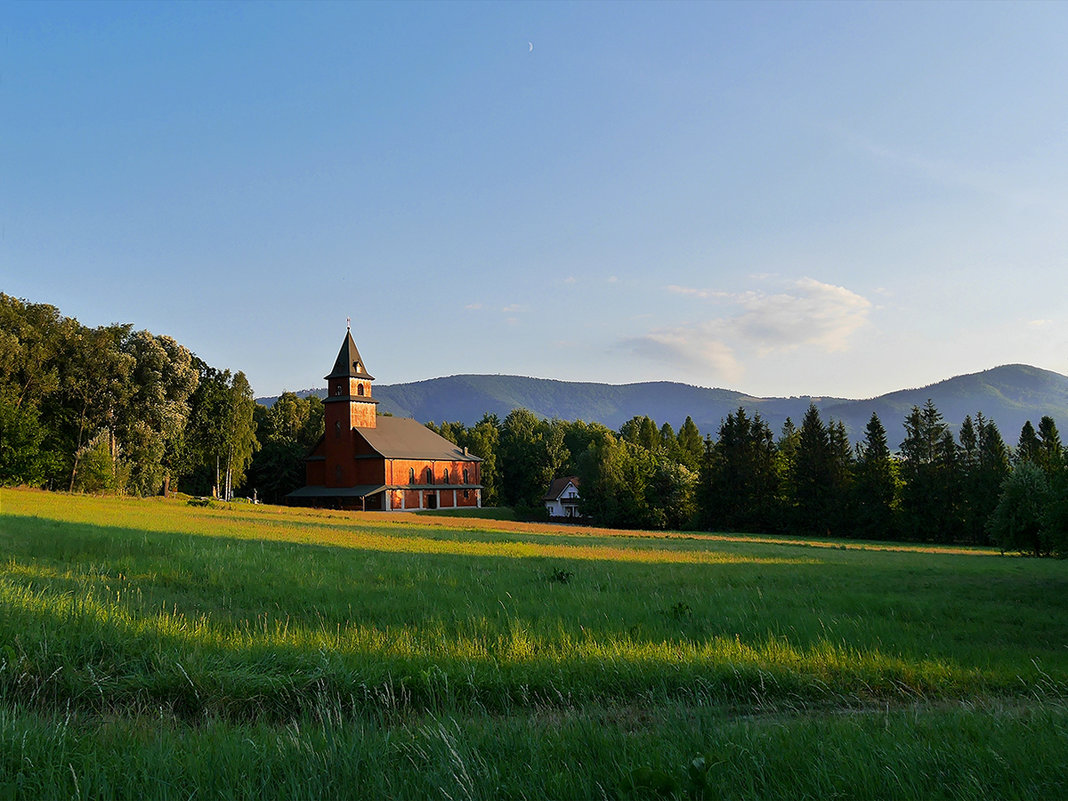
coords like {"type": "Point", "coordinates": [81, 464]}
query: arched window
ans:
{"type": "Point", "coordinates": [337, 428]}
{"type": "Point", "coordinates": [466, 480]}
{"type": "Point", "coordinates": [446, 475]}
{"type": "Point", "coordinates": [359, 389]}
{"type": "Point", "coordinates": [411, 475]}
{"type": "Point", "coordinates": [337, 390]}
{"type": "Point", "coordinates": [429, 475]}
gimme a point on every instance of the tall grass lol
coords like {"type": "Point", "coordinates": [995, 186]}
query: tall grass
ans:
{"type": "Point", "coordinates": [143, 626]}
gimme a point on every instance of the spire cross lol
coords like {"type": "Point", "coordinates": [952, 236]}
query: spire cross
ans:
{"type": "Point", "coordinates": [348, 323]}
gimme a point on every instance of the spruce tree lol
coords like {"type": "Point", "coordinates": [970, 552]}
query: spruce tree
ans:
{"type": "Point", "coordinates": [875, 488]}
{"type": "Point", "coordinates": [1028, 446]}
{"type": "Point", "coordinates": [813, 475]}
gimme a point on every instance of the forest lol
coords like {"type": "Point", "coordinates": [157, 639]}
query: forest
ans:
{"type": "Point", "coordinates": [114, 410]}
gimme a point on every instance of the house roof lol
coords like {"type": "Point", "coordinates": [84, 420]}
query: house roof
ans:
{"type": "Point", "coordinates": [556, 489]}
{"type": "Point", "coordinates": [349, 363]}
{"type": "Point", "coordinates": [404, 438]}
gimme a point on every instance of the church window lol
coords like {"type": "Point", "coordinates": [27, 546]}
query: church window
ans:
{"type": "Point", "coordinates": [337, 389]}
{"type": "Point", "coordinates": [359, 389]}
{"type": "Point", "coordinates": [466, 481]}
{"type": "Point", "coordinates": [446, 475]}
{"type": "Point", "coordinates": [337, 428]}
{"type": "Point", "coordinates": [466, 494]}
{"type": "Point", "coordinates": [411, 475]}
{"type": "Point", "coordinates": [429, 475]}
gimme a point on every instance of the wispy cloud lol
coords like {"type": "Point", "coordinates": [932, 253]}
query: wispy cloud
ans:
{"type": "Point", "coordinates": [473, 306]}
{"type": "Point", "coordinates": [805, 312]}
{"type": "Point", "coordinates": [697, 293]}
{"type": "Point", "coordinates": [570, 280]}
{"type": "Point", "coordinates": [512, 308]}
{"type": "Point", "coordinates": [697, 347]}
{"type": "Point", "coordinates": [809, 313]}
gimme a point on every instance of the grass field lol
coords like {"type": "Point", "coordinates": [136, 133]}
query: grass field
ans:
{"type": "Point", "coordinates": [153, 649]}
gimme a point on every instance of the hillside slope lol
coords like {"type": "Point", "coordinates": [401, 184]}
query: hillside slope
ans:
{"type": "Point", "coordinates": [1010, 395]}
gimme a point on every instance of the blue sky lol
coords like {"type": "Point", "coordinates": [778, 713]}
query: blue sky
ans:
{"type": "Point", "coordinates": [781, 198]}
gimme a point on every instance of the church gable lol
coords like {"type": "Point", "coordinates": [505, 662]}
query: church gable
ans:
{"type": "Point", "coordinates": [364, 461]}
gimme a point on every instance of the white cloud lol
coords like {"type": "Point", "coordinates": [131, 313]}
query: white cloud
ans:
{"type": "Point", "coordinates": [1040, 324]}
{"type": "Point", "coordinates": [513, 308]}
{"type": "Point", "coordinates": [810, 312]}
{"type": "Point", "coordinates": [570, 279]}
{"type": "Point", "coordinates": [473, 306]}
{"type": "Point", "coordinates": [697, 347]}
{"type": "Point", "coordinates": [805, 312]}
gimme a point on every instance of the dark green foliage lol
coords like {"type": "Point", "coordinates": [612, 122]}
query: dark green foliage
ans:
{"type": "Point", "coordinates": [738, 479]}
{"type": "Point", "coordinates": [286, 432]}
{"type": "Point", "coordinates": [1028, 446]}
{"type": "Point", "coordinates": [1050, 455]}
{"type": "Point", "coordinates": [875, 489]}
{"type": "Point", "coordinates": [928, 469]}
{"type": "Point", "coordinates": [691, 446]}
{"type": "Point", "coordinates": [985, 464]}
{"type": "Point", "coordinates": [813, 480]}
{"type": "Point", "coordinates": [1018, 522]}
{"type": "Point", "coordinates": [531, 453]}
{"type": "Point", "coordinates": [105, 409]}
{"type": "Point", "coordinates": [21, 438]}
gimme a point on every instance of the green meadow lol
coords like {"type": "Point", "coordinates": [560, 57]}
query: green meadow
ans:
{"type": "Point", "coordinates": [153, 649]}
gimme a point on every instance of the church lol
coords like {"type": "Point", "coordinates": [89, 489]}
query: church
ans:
{"type": "Point", "coordinates": [369, 461]}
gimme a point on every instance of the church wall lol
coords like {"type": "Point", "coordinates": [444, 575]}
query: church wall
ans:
{"type": "Point", "coordinates": [397, 471]}
{"type": "Point", "coordinates": [315, 473]}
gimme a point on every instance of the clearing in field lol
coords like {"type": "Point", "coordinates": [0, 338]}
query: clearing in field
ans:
{"type": "Point", "coordinates": [152, 648]}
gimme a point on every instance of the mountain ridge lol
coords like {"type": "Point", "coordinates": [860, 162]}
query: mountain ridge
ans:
{"type": "Point", "coordinates": [1008, 394]}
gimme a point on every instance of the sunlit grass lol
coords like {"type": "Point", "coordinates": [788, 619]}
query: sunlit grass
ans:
{"type": "Point", "coordinates": [259, 622]}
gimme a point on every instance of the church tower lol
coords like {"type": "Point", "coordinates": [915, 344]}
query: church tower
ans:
{"type": "Point", "coordinates": [348, 406]}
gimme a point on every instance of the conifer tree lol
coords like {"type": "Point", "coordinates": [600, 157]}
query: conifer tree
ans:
{"type": "Point", "coordinates": [875, 488]}
{"type": "Point", "coordinates": [1028, 446]}
{"type": "Point", "coordinates": [813, 479]}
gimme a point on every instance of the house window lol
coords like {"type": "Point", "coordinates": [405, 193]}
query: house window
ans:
{"type": "Point", "coordinates": [446, 475]}
{"type": "Point", "coordinates": [429, 476]}
{"type": "Point", "coordinates": [411, 475]}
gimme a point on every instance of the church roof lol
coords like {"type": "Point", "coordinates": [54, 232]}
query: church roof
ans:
{"type": "Point", "coordinates": [404, 438]}
{"type": "Point", "coordinates": [349, 363]}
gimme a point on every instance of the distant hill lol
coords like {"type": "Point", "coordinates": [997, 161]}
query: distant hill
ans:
{"type": "Point", "coordinates": [1009, 395]}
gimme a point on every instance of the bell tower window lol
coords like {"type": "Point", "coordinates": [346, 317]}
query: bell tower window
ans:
{"type": "Point", "coordinates": [359, 389]}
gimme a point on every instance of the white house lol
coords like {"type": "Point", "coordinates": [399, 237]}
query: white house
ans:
{"type": "Point", "coordinates": [563, 496]}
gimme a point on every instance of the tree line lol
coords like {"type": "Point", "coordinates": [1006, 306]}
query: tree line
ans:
{"type": "Point", "coordinates": [110, 409]}
{"type": "Point", "coordinates": [810, 479]}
